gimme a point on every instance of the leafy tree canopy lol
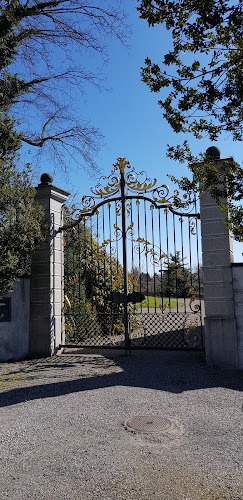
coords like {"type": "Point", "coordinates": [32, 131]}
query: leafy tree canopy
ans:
{"type": "Point", "coordinates": [177, 278]}
{"type": "Point", "coordinates": [202, 74]}
{"type": "Point", "coordinates": [22, 226]}
{"type": "Point", "coordinates": [91, 274]}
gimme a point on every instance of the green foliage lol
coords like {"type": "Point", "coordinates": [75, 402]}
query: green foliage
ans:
{"type": "Point", "coordinates": [224, 181]}
{"type": "Point", "coordinates": [210, 85]}
{"type": "Point", "coordinates": [176, 278]}
{"type": "Point", "coordinates": [91, 273]}
{"type": "Point", "coordinates": [10, 140]}
{"type": "Point", "coordinates": [22, 226]}
{"type": "Point", "coordinates": [203, 77]}
{"type": "Point", "coordinates": [90, 264]}
{"type": "Point", "coordinates": [173, 280]}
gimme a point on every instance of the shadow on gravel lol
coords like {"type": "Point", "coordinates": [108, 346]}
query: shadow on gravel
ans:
{"type": "Point", "coordinates": [174, 372]}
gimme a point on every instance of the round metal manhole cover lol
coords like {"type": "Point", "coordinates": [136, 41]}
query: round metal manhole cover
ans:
{"type": "Point", "coordinates": [148, 424]}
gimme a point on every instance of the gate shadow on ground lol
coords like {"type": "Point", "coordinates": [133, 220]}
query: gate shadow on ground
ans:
{"type": "Point", "coordinates": [173, 372]}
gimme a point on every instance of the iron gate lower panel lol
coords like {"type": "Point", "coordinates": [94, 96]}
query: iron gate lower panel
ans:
{"type": "Point", "coordinates": [147, 330]}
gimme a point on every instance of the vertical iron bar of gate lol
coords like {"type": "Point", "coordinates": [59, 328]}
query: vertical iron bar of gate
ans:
{"type": "Point", "coordinates": [124, 251]}
{"type": "Point", "coordinates": [199, 278]}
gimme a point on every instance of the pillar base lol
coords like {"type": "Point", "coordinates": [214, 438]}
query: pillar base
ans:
{"type": "Point", "coordinates": [221, 342]}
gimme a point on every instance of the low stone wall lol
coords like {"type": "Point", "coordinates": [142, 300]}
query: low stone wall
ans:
{"type": "Point", "coordinates": [237, 274]}
{"type": "Point", "coordinates": [14, 334]}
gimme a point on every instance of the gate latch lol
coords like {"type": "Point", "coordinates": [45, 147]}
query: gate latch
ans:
{"type": "Point", "coordinates": [118, 297]}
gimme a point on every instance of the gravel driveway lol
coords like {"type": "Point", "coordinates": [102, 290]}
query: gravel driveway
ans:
{"type": "Point", "coordinates": [63, 434]}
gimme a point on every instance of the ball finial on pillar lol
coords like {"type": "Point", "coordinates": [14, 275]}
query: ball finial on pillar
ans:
{"type": "Point", "coordinates": [46, 179]}
{"type": "Point", "coordinates": [214, 152]}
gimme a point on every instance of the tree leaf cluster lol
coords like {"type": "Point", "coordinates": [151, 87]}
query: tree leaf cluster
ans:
{"type": "Point", "coordinates": [205, 89]}
{"type": "Point", "coordinates": [177, 278]}
{"type": "Point", "coordinates": [223, 179]}
{"type": "Point", "coordinates": [174, 280]}
{"type": "Point", "coordinates": [201, 87]}
{"type": "Point", "coordinates": [91, 273]}
{"type": "Point", "coordinates": [22, 226]}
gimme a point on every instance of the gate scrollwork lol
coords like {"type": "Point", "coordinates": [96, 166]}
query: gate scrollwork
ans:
{"type": "Point", "coordinates": [118, 243]}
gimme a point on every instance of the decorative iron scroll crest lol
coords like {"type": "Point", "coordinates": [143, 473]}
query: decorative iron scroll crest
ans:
{"type": "Point", "coordinates": [136, 184]}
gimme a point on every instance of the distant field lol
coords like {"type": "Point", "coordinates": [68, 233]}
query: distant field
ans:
{"type": "Point", "coordinates": [150, 301]}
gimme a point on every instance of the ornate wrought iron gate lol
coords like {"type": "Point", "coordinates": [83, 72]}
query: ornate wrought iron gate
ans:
{"type": "Point", "coordinates": [132, 266]}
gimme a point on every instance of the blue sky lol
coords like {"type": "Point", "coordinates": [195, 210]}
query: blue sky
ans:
{"type": "Point", "coordinates": [128, 115]}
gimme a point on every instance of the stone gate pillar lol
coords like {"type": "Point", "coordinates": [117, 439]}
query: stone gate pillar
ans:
{"type": "Point", "coordinates": [46, 282]}
{"type": "Point", "coordinates": [217, 257]}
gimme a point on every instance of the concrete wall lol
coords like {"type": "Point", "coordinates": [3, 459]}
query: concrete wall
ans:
{"type": "Point", "coordinates": [36, 328]}
{"type": "Point", "coordinates": [14, 334]}
{"type": "Point", "coordinates": [237, 273]}
{"type": "Point", "coordinates": [37, 325]}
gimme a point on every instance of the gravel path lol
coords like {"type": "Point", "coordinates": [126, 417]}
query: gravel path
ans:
{"type": "Point", "coordinates": [63, 434]}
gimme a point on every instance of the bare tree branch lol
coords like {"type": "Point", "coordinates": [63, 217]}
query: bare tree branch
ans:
{"type": "Point", "coordinates": [34, 37]}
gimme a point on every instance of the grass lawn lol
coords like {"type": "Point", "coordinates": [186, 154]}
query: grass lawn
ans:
{"type": "Point", "coordinates": [151, 302]}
